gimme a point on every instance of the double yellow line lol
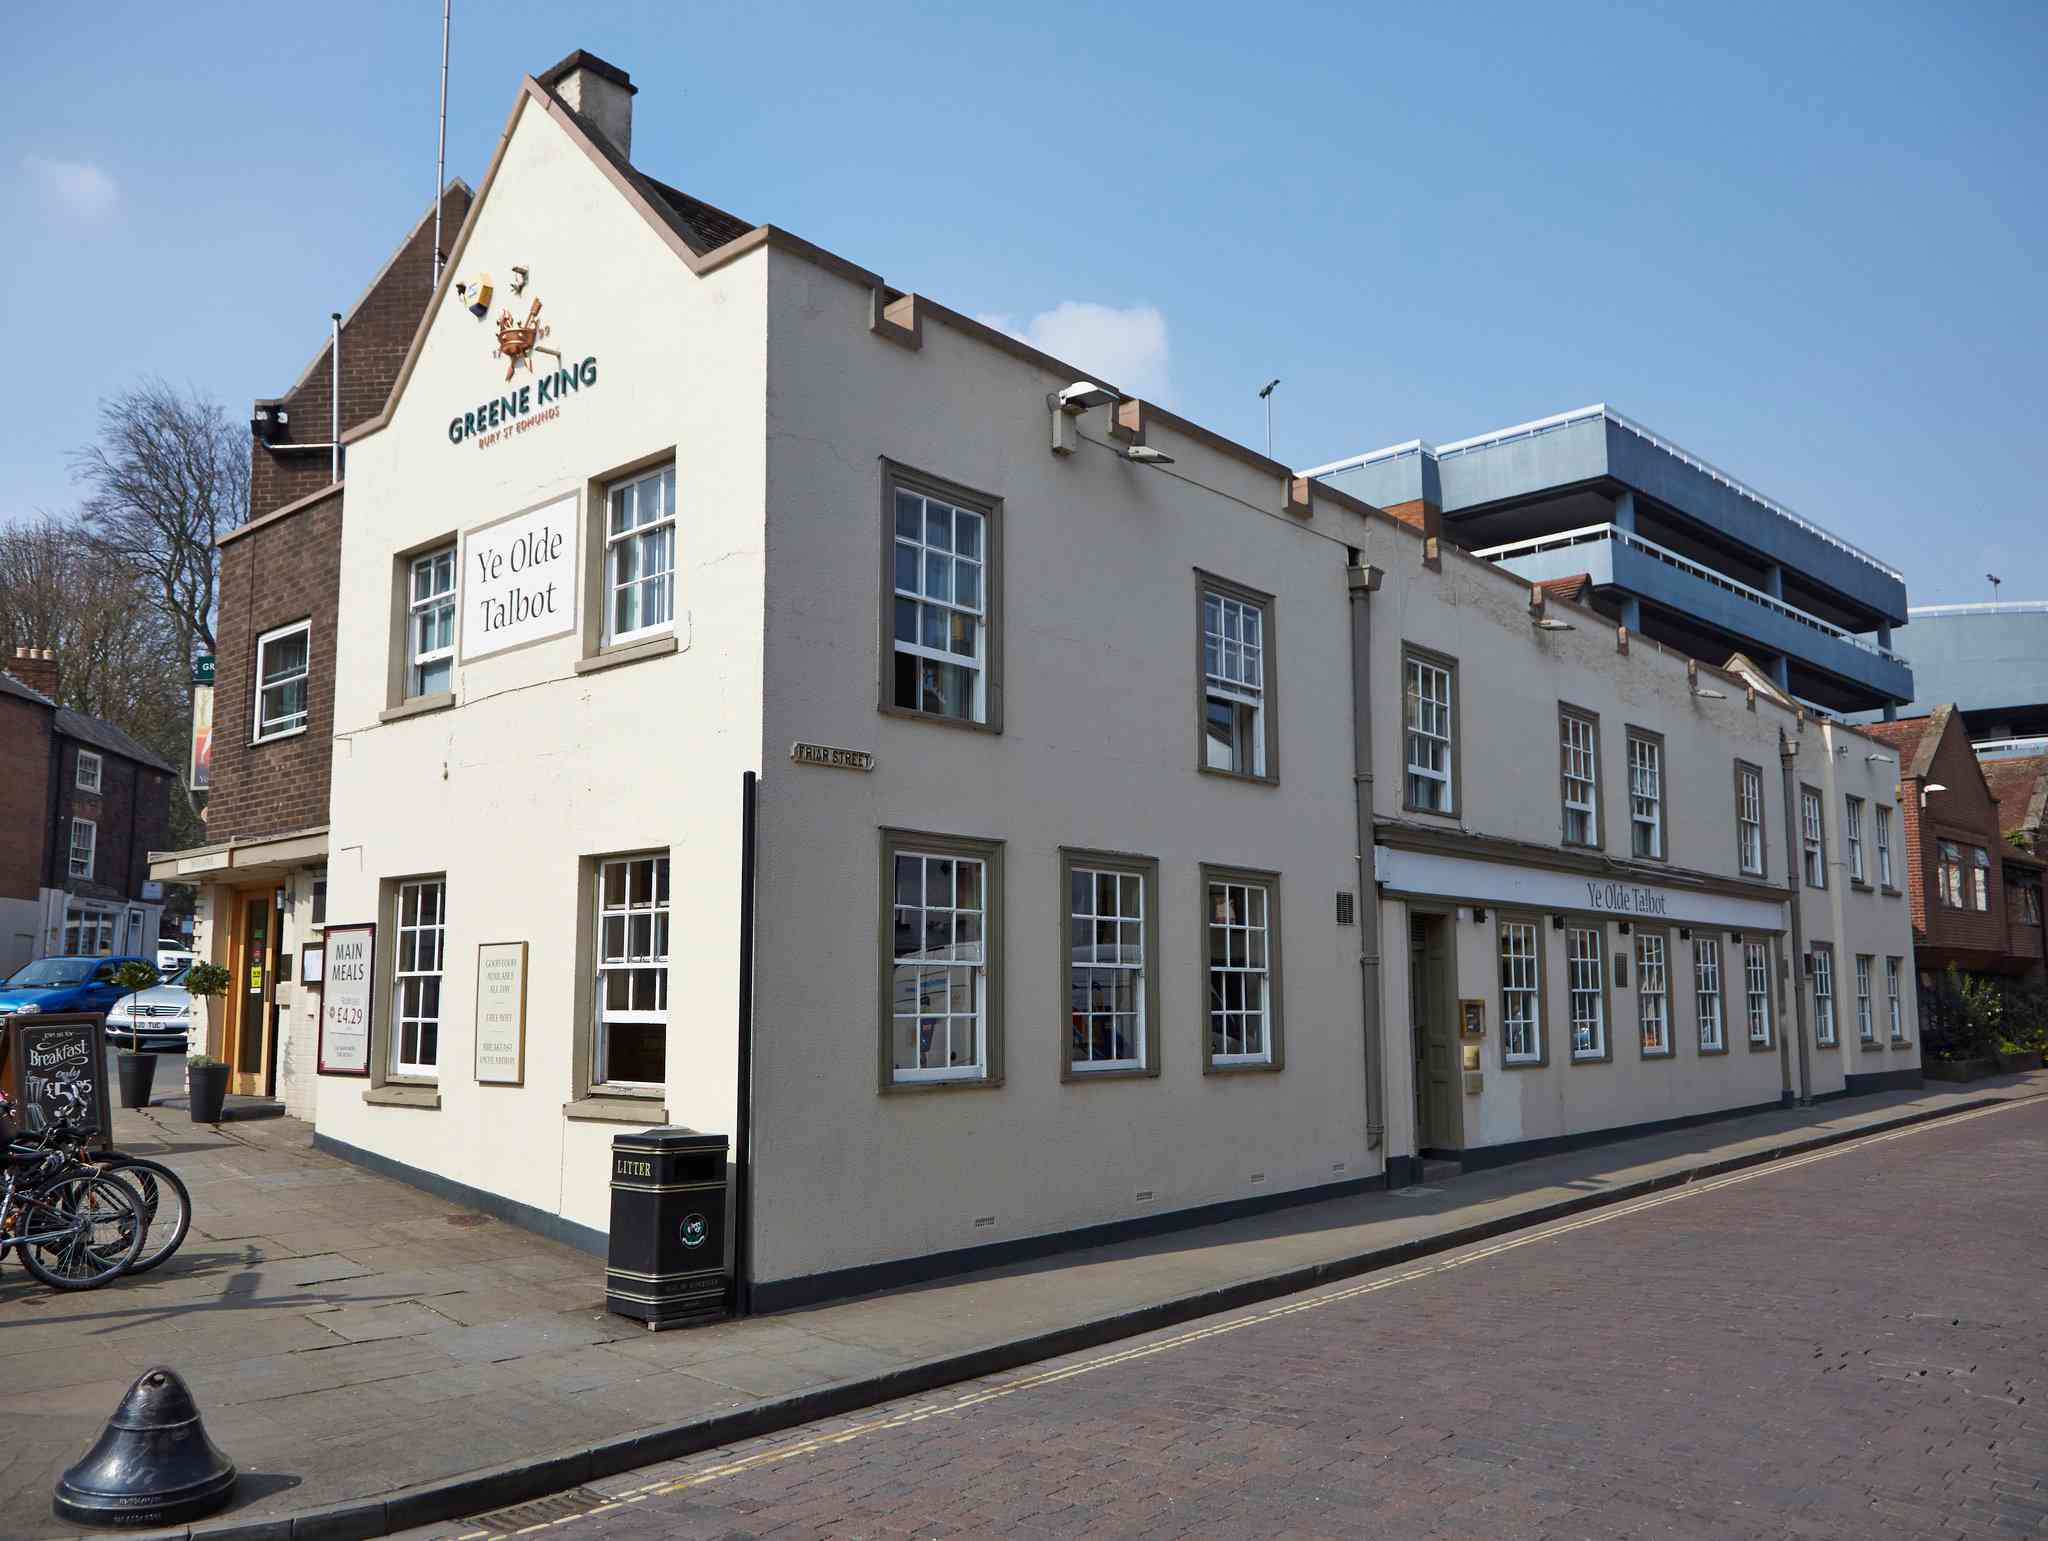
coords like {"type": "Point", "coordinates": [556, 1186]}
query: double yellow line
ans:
{"type": "Point", "coordinates": [1312, 1302]}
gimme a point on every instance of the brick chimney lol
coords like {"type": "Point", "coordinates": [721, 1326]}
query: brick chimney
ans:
{"type": "Point", "coordinates": [603, 93]}
{"type": "Point", "coordinates": [35, 668]}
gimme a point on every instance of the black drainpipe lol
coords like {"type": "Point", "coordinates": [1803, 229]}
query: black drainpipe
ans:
{"type": "Point", "coordinates": [743, 1132]}
{"type": "Point", "coordinates": [1362, 578]}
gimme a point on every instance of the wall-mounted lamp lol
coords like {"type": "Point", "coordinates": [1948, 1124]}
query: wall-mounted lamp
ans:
{"type": "Point", "coordinates": [1625, 928]}
{"type": "Point", "coordinates": [1082, 395]}
{"type": "Point", "coordinates": [1735, 937]}
{"type": "Point", "coordinates": [1876, 758]}
{"type": "Point", "coordinates": [1478, 914]}
{"type": "Point", "coordinates": [1692, 680]}
{"type": "Point", "coordinates": [1552, 625]}
{"type": "Point", "coordinates": [1932, 786]}
{"type": "Point", "coordinates": [1557, 922]}
{"type": "Point", "coordinates": [1146, 455]}
{"type": "Point", "coordinates": [1685, 933]}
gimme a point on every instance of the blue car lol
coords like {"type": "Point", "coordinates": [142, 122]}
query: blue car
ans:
{"type": "Point", "coordinates": [64, 984]}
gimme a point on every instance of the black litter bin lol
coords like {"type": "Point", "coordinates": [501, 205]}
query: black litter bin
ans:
{"type": "Point", "coordinates": [667, 1259]}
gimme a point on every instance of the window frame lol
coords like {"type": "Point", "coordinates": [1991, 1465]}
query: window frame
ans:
{"type": "Point", "coordinates": [2030, 905]}
{"type": "Point", "coordinates": [1603, 1053]}
{"type": "Point", "coordinates": [912, 842]}
{"type": "Point", "coordinates": [92, 849]}
{"type": "Point", "coordinates": [1852, 839]}
{"type": "Point", "coordinates": [1716, 941]}
{"type": "Point", "coordinates": [1762, 869]}
{"type": "Point", "coordinates": [1654, 742]}
{"type": "Point", "coordinates": [1895, 1003]}
{"type": "Point", "coordinates": [1866, 987]}
{"type": "Point", "coordinates": [1813, 837]}
{"type": "Point", "coordinates": [1827, 1027]}
{"type": "Point", "coordinates": [396, 1066]}
{"type": "Point", "coordinates": [103, 923]}
{"type": "Point", "coordinates": [1274, 1058]}
{"type": "Point", "coordinates": [608, 545]}
{"type": "Point", "coordinates": [260, 685]}
{"type": "Point", "coordinates": [1768, 994]}
{"type": "Point", "coordinates": [1662, 938]}
{"type": "Point", "coordinates": [1947, 895]}
{"type": "Point", "coordinates": [1980, 880]}
{"type": "Point", "coordinates": [1146, 870]}
{"type": "Point", "coordinates": [894, 474]}
{"type": "Point", "coordinates": [99, 771]}
{"type": "Point", "coordinates": [1887, 874]}
{"type": "Point", "coordinates": [1535, 924]}
{"type": "Point", "coordinates": [1413, 653]}
{"type": "Point", "coordinates": [1596, 812]}
{"type": "Point", "coordinates": [414, 690]}
{"type": "Point", "coordinates": [1268, 728]}
{"type": "Point", "coordinates": [601, 1085]}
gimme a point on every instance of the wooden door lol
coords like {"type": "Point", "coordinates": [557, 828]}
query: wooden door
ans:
{"type": "Point", "coordinates": [247, 1040]}
{"type": "Point", "coordinates": [1435, 1035]}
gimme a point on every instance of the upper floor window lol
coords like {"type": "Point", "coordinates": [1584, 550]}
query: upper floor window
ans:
{"type": "Point", "coordinates": [88, 778]}
{"type": "Point", "coordinates": [1884, 846]}
{"type": "Point", "coordinates": [1949, 873]}
{"type": "Point", "coordinates": [1236, 658]}
{"type": "Point", "coordinates": [1852, 832]}
{"type": "Point", "coordinates": [1749, 818]}
{"type": "Point", "coordinates": [2030, 905]}
{"type": "Point", "coordinates": [85, 836]}
{"type": "Point", "coordinates": [940, 570]}
{"type": "Point", "coordinates": [640, 555]}
{"type": "Point", "coordinates": [431, 624]}
{"type": "Point", "coordinates": [284, 659]}
{"type": "Point", "coordinates": [1430, 716]}
{"type": "Point", "coordinates": [1980, 877]}
{"type": "Point", "coordinates": [416, 977]}
{"type": "Point", "coordinates": [1813, 838]}
{"type": "Point", "coordinates": [1579, 748]}
{"type": "Point", "coordinates": [1646, 796]}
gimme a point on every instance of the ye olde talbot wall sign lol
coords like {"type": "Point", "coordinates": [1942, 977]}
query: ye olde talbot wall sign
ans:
{"type": "Point", "coordinates": [501, 1014]}
{"type": "Point", "coordinates": [836, 759]}
{"type": "Point", "coordinates": [519, 579]}
{"type": "Point", "coordinates": [1625, 898]}
{"type": "Point", "coordinates": [347, 997]}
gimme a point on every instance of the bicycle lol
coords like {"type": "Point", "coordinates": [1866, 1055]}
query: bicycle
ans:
{"type": "Point", "coordinates": [75, 1228]}
{"type": "Point", "coordinates": [162, 1197]}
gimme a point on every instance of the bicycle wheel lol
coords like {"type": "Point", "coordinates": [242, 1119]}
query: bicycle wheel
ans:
{"type": "Point", "coordinates": [98, 1228]}
{"type": "Point", "coordinates": [166, 1206]}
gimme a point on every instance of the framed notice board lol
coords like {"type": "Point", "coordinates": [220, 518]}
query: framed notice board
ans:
{"type": "Point", "coordinates": [348, 999]}
{"type": "Point", "coordinates": [501, 1014]}
{"type": "Point", "coordinates": [62, 1049]}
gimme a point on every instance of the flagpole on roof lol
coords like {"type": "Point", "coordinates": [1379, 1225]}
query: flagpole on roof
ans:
{"type": "Point", "coordinates": [441, 150]}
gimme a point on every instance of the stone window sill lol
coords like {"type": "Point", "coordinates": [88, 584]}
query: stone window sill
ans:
{"type": "Point", "coordinates": [418, 706]}
{"type": "Point", "coordinates": [600, 1109]}
{"type": "Point", "coordinates": [397, 1094]}
{"type": "Point", "coordinates": [632, 652]}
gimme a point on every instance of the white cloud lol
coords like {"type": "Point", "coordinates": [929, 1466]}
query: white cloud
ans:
{"type": "Point", "coordinates": [81, 187]}
{"type": "Point", "coordinates": [1125, 347]}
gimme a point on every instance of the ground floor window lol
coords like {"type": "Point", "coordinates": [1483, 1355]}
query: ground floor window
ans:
{"type": "Point", "coordinates": [1893, 968]}
{"type": "Point", "coordinates": [1587, 990]}
{"type": "Point", "coordinates": [1521, 992]}
{"type": "Point", "coordinates": [1866, 1020]}
{"type": "Point", "coordinates": [631, 1046]}
{"type": "Point", "coordinates": [1110, 959]}
{"type": "Point", "coordinates": [1756, 979]}
{"type": "Point", "coordinates": [89, 933]}
{"type": "Point", "coordinates": [1706, 992]}
{"type": "Point", "coordinates": [940, 990]}
{"type": "Point", "coordinates": [1653, 993]}
{"type": "Point", "coordinates": [416, 977]}
{"type": "Point", "coordinates": [1242, 928]}
{"type": "Point", "coordinates": [1824, 996]}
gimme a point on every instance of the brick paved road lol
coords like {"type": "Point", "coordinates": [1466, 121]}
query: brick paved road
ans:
{"type": "Point", "coordinates": [1845, 1345]}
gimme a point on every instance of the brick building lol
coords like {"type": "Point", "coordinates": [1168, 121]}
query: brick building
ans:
{"type": "Point", "coordinates": [81, 806]}
{"type": "Point", "coordinates": [1968, 885]}
{"type": "Point", "coordinates": [263, 871]}
{"type": "Point", "coordinates": [2021, 787]}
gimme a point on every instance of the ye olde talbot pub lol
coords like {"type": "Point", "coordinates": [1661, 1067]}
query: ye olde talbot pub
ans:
{"type": "Point", "coordinates": [1134, 830]}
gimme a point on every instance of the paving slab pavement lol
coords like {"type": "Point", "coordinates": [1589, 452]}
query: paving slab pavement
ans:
{"type": "Point", "coordinates": [351, 1339]}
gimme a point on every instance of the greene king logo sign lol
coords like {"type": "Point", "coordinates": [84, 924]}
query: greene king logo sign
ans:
{"type": "Point", "coordinates": [536, 402]}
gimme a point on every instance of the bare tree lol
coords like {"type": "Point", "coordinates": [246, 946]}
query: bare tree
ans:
{"type": "Point", "coordinates": [167, 476]}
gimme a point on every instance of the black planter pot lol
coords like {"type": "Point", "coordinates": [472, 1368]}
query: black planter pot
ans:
{"type": "Point", "coordinates": [138, 1071]}
{"type": "Point", "coordinates": [209, 1087]}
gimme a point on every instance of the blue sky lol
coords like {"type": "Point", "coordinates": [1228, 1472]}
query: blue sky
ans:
{"type": "Point", "coordinates": [1805, 242]}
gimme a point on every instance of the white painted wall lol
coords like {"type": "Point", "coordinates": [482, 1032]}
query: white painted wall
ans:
{"type": "Point", "coordinates": [538, 768]}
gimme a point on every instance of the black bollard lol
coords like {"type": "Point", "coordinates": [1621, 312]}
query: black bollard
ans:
{"type": "Point", "coordinates": [152, 1464]}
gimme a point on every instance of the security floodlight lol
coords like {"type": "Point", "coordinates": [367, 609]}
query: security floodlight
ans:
{"type": "Point", "coordinates": [1710, 695]}
{"type": "Point", "coordinates": [1266, 390]}
{"type": "Point", "coordinates": [1875, 758]}
{"type": "Point", "coordinates": [1083, 394]}
{"type": "Point", "coordinates": [1547, 625]}
{"type": "Point", "coordinates": [1145, 455]}
{"type": "Point", "coordinates": [1930, 788]}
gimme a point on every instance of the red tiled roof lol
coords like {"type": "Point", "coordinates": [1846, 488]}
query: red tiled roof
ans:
{"type": "Point", "coordinates": [2021, 787]}
{"type": "Point", "coordinates": [1573, 589]}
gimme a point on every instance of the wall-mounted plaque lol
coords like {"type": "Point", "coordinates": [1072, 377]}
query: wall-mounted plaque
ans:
{"type": "Point", "coordinates": [348, 993]}
{"type": "Point", "coordinates": [501, 1014]}
{"type": "Point", "coordinates": [831, 757]}
{"type": "Point", "coordinates": [1472, 1017]}
{"type": "Point", "coordinates": [312, 959]}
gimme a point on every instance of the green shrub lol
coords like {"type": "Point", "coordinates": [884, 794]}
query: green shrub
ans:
{"type": "Point", "coordinates": [207, 979]}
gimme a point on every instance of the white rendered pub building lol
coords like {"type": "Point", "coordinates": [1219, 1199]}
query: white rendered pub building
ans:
{"type": "Point", "coordinates": [1070, 722]}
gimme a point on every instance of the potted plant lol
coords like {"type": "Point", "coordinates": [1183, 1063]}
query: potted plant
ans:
{"type": "Point", "coordinates": [206, 1078]}
{"type": "Point", "coordinates": [137, 1069]}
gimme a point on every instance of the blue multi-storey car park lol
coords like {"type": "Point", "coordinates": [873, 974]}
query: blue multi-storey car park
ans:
{"type": "Point", "coordinates": [1676, 549]}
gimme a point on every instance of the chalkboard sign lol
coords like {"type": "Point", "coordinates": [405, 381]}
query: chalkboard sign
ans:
{"type": "Point", "coordinates": [59, 1049]}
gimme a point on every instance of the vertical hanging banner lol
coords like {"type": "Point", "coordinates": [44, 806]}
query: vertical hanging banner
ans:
{"type": "Point", "coordinates": [202, 724]}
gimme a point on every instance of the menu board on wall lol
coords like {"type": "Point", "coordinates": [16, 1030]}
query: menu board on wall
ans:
{"type": "Point", "coordinates": [346, 999]}
{"type": "Point", "coordinates": [58, 1063]}
{"type": "Point", "coordinates": [501, 1014]}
